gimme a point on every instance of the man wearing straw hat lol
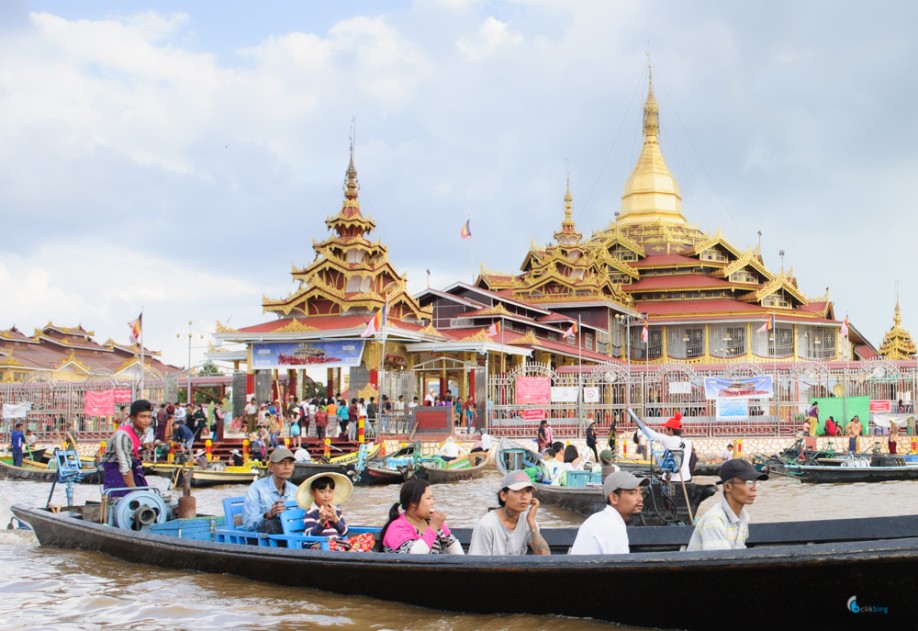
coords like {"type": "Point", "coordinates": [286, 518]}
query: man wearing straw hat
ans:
{"type": "Point", "coordinates": [267, 496]}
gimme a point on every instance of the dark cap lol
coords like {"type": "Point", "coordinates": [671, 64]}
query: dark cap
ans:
{"type": "Point", "coordinates": [738, 468]}
{"type": "Point", "coordinates": [140, 405]}
{"type": "Point", "coordinates": [280, 454]}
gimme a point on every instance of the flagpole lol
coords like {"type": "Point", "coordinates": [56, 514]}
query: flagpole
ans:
{"type": "Point", "coordinates": [141, 354]}
{"type": "Point", "coordinates": [579, 339]}
{"type": "Point", "coordinates": [503, 354]}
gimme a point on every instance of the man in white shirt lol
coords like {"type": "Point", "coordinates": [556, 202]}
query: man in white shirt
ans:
{"type": "Point", "coordinates": [671, 438]}
{"type": "Point", "coordinates": [726, 526]}
{"type": "Point", "coordinates": [251, 413]}
{"type": "Point", "coordinates": [450, 449]}
{"type": "Point", "coordinates": [606, 532]}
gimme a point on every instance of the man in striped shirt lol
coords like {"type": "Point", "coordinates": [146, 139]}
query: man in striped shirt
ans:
{"type": "Point", "coordinates": [726, 525]}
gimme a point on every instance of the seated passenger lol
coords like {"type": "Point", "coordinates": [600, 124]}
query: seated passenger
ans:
{"type": "Point", "coordinates": [606, 458]}
{"type": "Point", "coordinates": [551, 463]}
{"type": "Point", "coordinates": [726, 525]}
{"type": "Point", "coordinates": [512, 528]}
{"type": "Point", "coordinates": [419, 529]}
{"type": "Point", "coordinates": [450, 449]}
{"type": "Point", "coordinates": [322, 496]}
{"type": "Point", "coordinates": [606, 532]}
{"type": "Point", "coordinates": [267, 496]}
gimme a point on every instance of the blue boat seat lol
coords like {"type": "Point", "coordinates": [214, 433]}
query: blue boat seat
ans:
{"type": "Point", "coordinates": [234, 530]}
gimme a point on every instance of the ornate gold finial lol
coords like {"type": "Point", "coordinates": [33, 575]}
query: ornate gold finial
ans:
{"type": "Point", "coordinates": [651, 109]}
{"type": "Point", "coordinates": [222, 328]}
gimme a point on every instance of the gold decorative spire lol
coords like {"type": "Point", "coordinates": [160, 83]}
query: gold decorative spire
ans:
{"type": "Point", "coordinates": [897, 344]}
{"type": "Point", "coordinates": [651, 192]}
{"type": "Point", "coordinates": [568, 235]}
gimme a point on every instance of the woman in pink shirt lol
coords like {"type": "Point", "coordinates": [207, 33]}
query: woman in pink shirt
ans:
{"type": "Point", "coordinates": [419, 529]}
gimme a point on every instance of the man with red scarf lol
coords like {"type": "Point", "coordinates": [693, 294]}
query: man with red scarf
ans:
{"type": "Point", "coordinates": [121, 464]}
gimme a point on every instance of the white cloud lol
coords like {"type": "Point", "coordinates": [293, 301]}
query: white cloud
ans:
{"type": "Point", "coordinates": [492, 36]}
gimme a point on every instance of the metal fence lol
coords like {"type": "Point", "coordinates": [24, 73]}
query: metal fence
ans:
{"type": "Point", "coordinates": [656, 393]}
{"type": "Point", "coordinates": [55, 404]}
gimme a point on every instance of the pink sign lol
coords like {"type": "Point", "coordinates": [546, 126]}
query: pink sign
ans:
{"type": "Point", "coordinates": [123, 395]}
{"type": "Point", "coordinates": [880, 406]}
{"type": "Point", "coordinates": [99, 403]}
{"type": "Point", "coordinates": [533, 391]}
{"type": "Point", "coordinates": [531, 414]}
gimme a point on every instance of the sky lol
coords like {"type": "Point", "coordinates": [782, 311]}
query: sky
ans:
{"type": "Point", "coordinates": [179, 157]}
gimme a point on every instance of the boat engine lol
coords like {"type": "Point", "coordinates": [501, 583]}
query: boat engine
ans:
{"type": "Point", "coordinates": [138, 509]}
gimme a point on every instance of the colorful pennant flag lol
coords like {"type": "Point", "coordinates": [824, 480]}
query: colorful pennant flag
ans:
{"type": "Point", "coordinates": [769, 325]}
{"type": "Point", "coordinates": [136, 328]}
{"type": "Point", "coordinates": [645, 332]}
{"type": "Point", "coordinates": [494, 329]}
{"type": "Point", "coordinates": [571, 331]}
{"type": "Point", "coordinates": [378, 321]}
{"type": "Point", "coordinates": [844, 327]}
{"type": "Point", "coordinates": [466, 229]}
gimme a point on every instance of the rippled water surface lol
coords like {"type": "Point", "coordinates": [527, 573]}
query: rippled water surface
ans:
{"type": "Point", "coordinates": [48, 588]}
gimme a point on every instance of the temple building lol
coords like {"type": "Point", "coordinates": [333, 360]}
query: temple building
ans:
{"type": "Point", "coordinates": [57, 353]}
{"type": "Point", "coordinates": [649, 288]}
{"type": "Point", "coordinates": [897, 343]}
{"type": "Point", "coordinates": [659, 290]}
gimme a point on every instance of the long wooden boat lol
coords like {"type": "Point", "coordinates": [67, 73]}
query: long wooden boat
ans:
{"type": "Point", "coordinates": [834, 473]}
{"type": "Point", "coordinates": [438, 471]}
{"type": "Point", "coordinates": [41, 472]}
{"type": "Point", "coordinates": [346, 464]}
{"type": "Point", "coordinates": [391, 469]}
{"type": "Point", "coordinates": [206, 477]}
{"type": "Point", "coordinates": [854, 573]}
{"type": "Point", "coordinates": [665, 503]}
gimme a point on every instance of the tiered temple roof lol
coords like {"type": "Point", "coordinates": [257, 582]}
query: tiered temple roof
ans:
{"type": "Point", "coordinates": [349, 276]}
{"type": "Point", "coordinates": [68, 353]}
{"type": "Point", "coordinates": [897, 343]}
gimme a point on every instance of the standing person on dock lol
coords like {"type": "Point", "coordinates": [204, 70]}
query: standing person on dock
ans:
{"type": "Point", "coordinates": [512, 528]}
{"type": "Point", "coordinates": [17, 442]}
{"type": "Point", "coordinates": [121, 464]}
{"type": "Point", "coordinates": [726, 526]}
{"type": "Point", "coordinates": [893, 440]}
{"type": "Point", "coordinates": [591, 440]}
{"type": "Point", "coordinates": [853, 430]}
{"type": "Point", "coordinates": [606, 532]}
{"type": "Point", "coordinates": [267, 496]}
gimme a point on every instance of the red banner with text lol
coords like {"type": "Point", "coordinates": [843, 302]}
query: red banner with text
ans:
{"type": "Point", "coordinates": [99, 403]}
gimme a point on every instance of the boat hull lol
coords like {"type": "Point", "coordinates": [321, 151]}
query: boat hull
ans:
{"type": "Point", "coordinates": [873, 573]}
{"type": "Point", "coordinates": [41, 474]}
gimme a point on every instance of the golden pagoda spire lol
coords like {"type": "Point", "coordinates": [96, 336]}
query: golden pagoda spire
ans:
{"type": "Point", "coordinates": [351, 185]}
{"type": "Point", "coordinates": [651, 192]}
{"type": "Point", "coordinates": [568, 234]}
{"type": "Point", "coordinates": [897, 344]}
